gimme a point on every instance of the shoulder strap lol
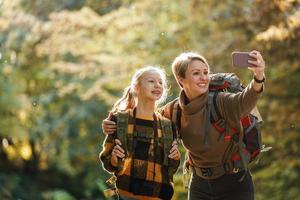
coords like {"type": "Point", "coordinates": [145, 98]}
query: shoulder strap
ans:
{"type": "Point", "coordinates": [175, 110]}
{"type": "Point", "coordinates": [176, 116]}
{"type": "Point", "coordinates": [216, 118]}
{"type": "Point", "coordinates": [212, 99]}
{"type": "Point", "coordinates": [122, 125]}
{"type": "Point", "coordinates": [207, 125]}
{"type": "Point", "coordinates": [167, 137]}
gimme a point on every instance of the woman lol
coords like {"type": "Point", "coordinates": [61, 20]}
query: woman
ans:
{"type": "Point", "coordinates": [142, 173]}
{"type": "Point", "coordinates": [213, 176]}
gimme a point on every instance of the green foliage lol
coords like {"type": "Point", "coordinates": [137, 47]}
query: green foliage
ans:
{"type": "Point", "coordinates": [57, 195]}
{"type": "Point", "coordinates": [64, 63]}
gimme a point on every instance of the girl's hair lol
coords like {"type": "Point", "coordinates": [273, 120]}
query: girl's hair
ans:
{"type": "Point", "coordinates": [181, 63]}
{"type": "Point", "coordinates": [128, 100]}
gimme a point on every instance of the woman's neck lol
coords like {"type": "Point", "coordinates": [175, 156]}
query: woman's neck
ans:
{"type": "Point", "coordinates": [190, 97]}
{"type": "Point", "coordinates": [145, 109]}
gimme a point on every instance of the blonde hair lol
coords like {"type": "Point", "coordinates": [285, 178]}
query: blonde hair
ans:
{"type": "Point", "coordinates": [181, 63]}
{"type": "Point", "coordinates": [128, 100]}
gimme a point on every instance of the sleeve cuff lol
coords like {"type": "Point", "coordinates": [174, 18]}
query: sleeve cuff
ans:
{"type": "Point", "coordinates": [254, 91]}
{"type": "Point", "coordinates": [107, 164]}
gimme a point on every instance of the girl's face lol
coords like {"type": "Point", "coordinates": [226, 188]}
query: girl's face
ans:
{"type": "Point", "coordinates": [196, 79]}
{"type": "Point", "coordinates": [150, 86]}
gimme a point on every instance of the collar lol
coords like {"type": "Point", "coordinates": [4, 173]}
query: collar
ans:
{"type": "Point", "coordinates": [192, 107]}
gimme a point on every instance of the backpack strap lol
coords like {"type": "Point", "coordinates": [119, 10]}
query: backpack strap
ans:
{"type": "Point", "coordinates": [212, 99]}
{"type": "Point", "coordinates": [175, 111]}
{"type": "Point", "coordinates": [208, 123]}
{"type": "Point", "coordinates": [234, 139]}
{"type": "Point", "coordinates": [216, 118]}
{"type": "Point", "coordinates": [175, 117]}
{"type": "Point", "coordinates": [122, 128]}
{"type": "Point", "coordinates": [167, 137]}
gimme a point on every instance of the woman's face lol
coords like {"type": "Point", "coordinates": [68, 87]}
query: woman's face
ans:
{"type": "Point", "coordinates": [196, 79]}
{"type": "Point", "coordinates": [150, 86]}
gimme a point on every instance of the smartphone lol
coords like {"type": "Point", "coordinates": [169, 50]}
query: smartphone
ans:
{"type": "Point", "coordinates": [240, 59]}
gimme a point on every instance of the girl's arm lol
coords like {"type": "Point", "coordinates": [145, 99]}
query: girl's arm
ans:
{"type": "Point", "coordinates": [106, 154]}
{"type": "Point", "coordinates": [111, 151]}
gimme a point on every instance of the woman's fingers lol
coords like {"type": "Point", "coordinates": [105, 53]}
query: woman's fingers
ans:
{"type": "Point", "coordinates": [259, 64]}
{"type": "Point", "coordinates": [256, 63]}
{"type": "Point", "coordinates": [259, 61]}
{"type": "Point", "coordinates": [255, 54]}
{"type": "Point", "coordinates": [174, 142]}
{"type": "Point", "coordinates": [175, 155]}
{"type": "Point", "coordinates": [174, 152]}
{"type": "Point", "coordinates": [174, 148]}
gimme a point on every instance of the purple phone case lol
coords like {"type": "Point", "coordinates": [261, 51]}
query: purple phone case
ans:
{"type": "Point", "coordinates": [240, 59]}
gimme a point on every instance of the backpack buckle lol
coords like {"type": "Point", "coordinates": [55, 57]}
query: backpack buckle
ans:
{"type": "Point", "coordinates": [207, 172]}
{"type": "Point", "coordinates": [235, 170]}
{"type": "Point", "coordinates": [112, 180]}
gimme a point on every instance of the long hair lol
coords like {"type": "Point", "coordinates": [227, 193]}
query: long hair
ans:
{"type": "Point", "coordinates": [129, 99]}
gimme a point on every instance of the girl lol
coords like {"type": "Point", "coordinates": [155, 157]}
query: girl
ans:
{"type": "Point", "coordinates": [143, 167]}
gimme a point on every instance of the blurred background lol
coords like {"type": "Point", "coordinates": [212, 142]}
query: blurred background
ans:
{"type": "Point", "coordinates": [63, 63]}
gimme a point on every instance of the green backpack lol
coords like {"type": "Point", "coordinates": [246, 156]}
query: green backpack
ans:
{"type": "Point", "coordinates": [127, 141]}
{"type": "Point", "coordinates": [127, 144]}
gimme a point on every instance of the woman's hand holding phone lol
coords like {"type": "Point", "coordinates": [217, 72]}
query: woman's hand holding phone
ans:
{"type": "Point", "coordinates": [253, 61]}
{"type": "Point", "coordinates": [259, 69]}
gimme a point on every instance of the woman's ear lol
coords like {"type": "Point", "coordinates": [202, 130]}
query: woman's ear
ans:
{"type": "Point", "coordinates": [180, 81]}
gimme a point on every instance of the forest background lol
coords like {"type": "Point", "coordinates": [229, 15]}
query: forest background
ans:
{"type": "Point", "coordinates": [64, 62]}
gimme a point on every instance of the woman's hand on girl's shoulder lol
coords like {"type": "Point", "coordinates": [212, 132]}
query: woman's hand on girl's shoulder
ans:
{"type": "Point", "coordinates": [174, 152]}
